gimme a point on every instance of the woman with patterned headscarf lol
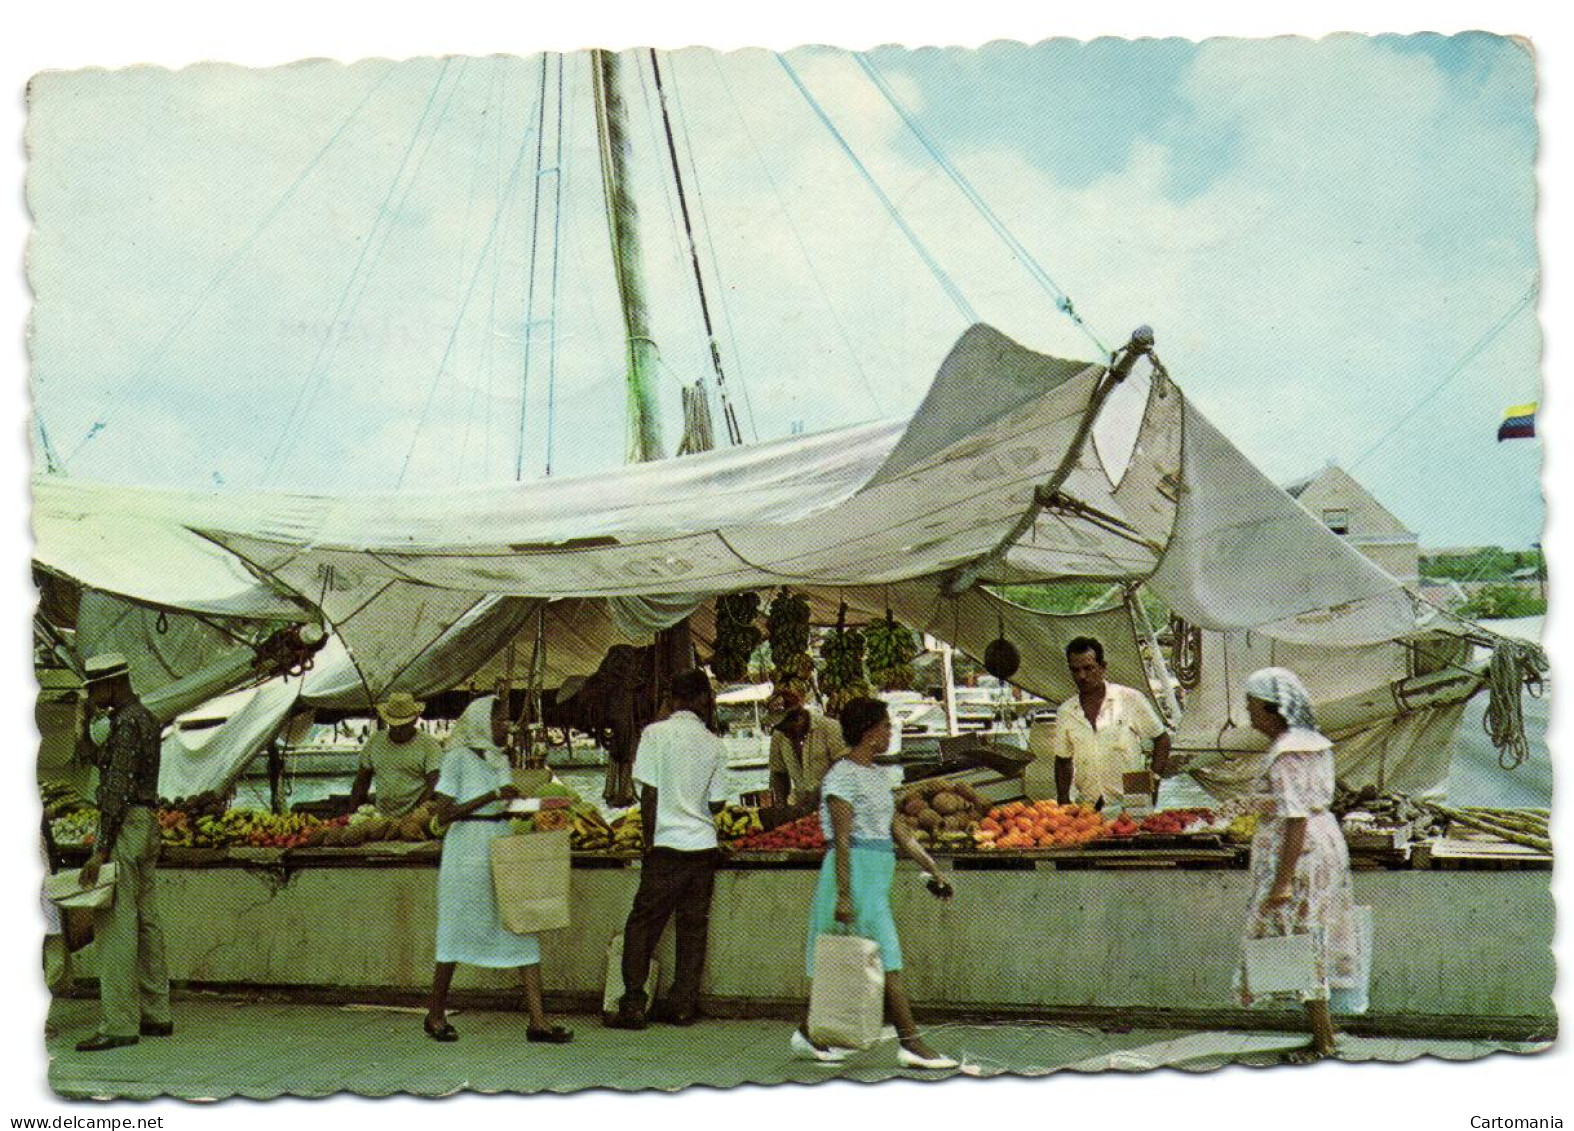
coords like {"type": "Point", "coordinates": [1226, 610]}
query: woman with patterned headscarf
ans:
{"type": "Point", "coordinates": [475, 782]}
{"type": "Point", "coordinates": [1299, 863]}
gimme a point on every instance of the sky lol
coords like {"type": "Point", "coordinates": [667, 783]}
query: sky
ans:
{"type": "Point", "coordinates": [367, 278]}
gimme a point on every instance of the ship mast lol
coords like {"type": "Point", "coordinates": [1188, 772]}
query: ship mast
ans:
{"type": "Point", "coordinates": [612, 134]}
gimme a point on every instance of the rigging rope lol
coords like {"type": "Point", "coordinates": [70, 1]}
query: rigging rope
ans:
{"type": "Point", "coordinates": [234, 261]}
{"type": "Point", "coordinates": [1470, 355]}
{"type": "Point", "coordinates": [448, 349]}
{"type": "Point", "coordinates": [557, 243]}
{"type": "Point", "coordinates": [382, 222]}
{"type": "Point", "coordinates": [958, 299]}
{"type": "Point", "coordinates": [530, 285]}
{"type": "Point", "coordinates": [710, 243]}
{"type": "Point", "coordinates": [464, 243]}
{"type": "Point", "coordinates": [734, 435]}
{"type": "Point", "coordinates": [803, 250]}
{"type": "Point", "coordinates": [1062, 299]}
{"type": "Point", "coordinates": [1515, 667]}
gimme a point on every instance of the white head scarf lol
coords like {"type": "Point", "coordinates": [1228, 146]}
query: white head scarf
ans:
{"type": "Point", "coordinates": [1283, 690]}
{"type": "Point", "coordinates": [474, 728]}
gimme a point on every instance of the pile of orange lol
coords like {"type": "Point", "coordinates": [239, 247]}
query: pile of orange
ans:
{"type": "Point", "coordinates": [1038, 824]}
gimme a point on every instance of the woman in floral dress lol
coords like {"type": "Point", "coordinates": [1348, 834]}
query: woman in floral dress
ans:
{"type": "Point", "coordinates": [1300, 865]}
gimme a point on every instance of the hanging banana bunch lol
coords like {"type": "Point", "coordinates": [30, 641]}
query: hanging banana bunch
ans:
{"type": "Point", "coordinates": [842, 675]}
{"type": "Point", "coordinates": [889, 654]}
{"type": "Point", "coordinates": [736, 636]}
{"type": "Point", "coordinates": [787, 626]}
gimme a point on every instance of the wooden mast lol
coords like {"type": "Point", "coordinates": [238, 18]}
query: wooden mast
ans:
{"type": "Point", "coordinates": [612, 133]}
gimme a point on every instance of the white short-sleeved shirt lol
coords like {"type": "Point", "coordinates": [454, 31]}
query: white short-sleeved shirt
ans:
{"type": "Point", "coordinates": [868, 790]}
{"type": "Point", "coordinates": [686, 765]}
{"type": "Point", "coordinates": [1100, 756]}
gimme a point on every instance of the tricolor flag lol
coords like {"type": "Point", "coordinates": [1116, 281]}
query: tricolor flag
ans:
{"type": "Point", "coordinates": [1519, 423]}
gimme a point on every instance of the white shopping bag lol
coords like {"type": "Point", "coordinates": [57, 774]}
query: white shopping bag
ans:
{"type": "Point", "coordinates": [66, 889]}
{"type": "Point", "coordinates": [847, 997]}
{"type": "Point", "coordinates": [1282, 965]}
{"type": "Point", "coordinates": [612, 989]}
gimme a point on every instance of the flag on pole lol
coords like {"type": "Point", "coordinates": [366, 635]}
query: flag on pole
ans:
{"type": "Point", "coordinates": [1519, 423]}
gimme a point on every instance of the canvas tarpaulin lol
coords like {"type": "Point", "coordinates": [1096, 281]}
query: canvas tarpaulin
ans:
{"type": "Point", "coordinates": [1391, 708]}
{"type": "Point", "coordinates": [1245, 555]}
{"type": "Point", "coordinates": [197, 757]}
{"type": "Point", "coordinates": [427, 587]}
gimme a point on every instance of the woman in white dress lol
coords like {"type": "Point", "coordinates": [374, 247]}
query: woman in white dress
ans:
{"type": "Point", "coordinates": [471, 791]}
{"type": "Point", "coordinates": [1300, 865]}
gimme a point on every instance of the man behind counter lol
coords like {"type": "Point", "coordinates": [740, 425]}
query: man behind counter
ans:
{"type": "Point", "coordinates": [402, 762]}
{"type": "Point", "coordinates": [1100, 730]}
{"type": "Point", "coordinates": [803, 746]}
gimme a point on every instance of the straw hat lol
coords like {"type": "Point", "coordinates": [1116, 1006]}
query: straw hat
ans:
{"type": "Point", "coordinates": [106, 665]}
{"type": "Point", "coordinates": [400, 708]}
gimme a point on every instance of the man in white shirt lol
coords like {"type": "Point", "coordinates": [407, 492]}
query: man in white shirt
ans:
{"type": "Point", "coordinates": [680, 769]}
{"type": "Point", "coordinates": [1100, 730]}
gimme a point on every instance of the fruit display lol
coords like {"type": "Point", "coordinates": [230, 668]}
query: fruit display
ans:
{"type": "Point", "coordinates": [588, 830]}
{"type": "Point", "coordinates": [60, 800]}
{"type": "Point", "coordinates": [1039, 824]}
{"type": "Point", "coordinates": [75, 829]}
{"type": "Point", "coordinates": [941, 813]}
{"type": "Point", "coordinates": [628, 833]}
{"type": "Point", "coordinates": [1242, 828]}
{"type": "Point", "coordinates": [802, 835]}
{"type": "Point", "coordinates": [1176, 822]}
{"type": "Point", "coordinates": [205, 804]}
{"type": "Point", "coordinates": [367, 826]}
{"type": "Point", "coordinates": [1123, 827]}
{"type": "Point", "coordinates": [736, 821]}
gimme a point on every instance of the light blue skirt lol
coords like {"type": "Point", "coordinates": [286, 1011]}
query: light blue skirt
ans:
{"type": "Point", "coordinates": [873, 866]}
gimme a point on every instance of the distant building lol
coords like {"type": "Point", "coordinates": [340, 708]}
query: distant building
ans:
{"type": "Point", "coordinates": [1335, 497]}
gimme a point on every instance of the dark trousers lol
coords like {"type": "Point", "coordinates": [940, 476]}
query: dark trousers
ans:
{"type": "Point", "coordinates": [669, 881]}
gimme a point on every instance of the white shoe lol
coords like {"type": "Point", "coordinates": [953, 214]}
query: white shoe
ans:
{"type": "Point", "coordinates": [805, 1049]}
{"type": "Point", "coordinates": [910, 1059]}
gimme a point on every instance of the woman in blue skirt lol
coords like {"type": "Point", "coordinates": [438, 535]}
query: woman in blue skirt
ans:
{"type": "Point", "coordinates": [858, 814]}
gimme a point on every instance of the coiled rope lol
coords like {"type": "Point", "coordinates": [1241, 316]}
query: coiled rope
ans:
{"type": "Point", "coordinates": [1515, 667]}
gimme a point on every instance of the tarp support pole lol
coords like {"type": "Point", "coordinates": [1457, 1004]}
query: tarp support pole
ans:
{"type": "Point", "coordinates": [1140, 621]}
{"type": "Point", "coordinates": [964, 577]}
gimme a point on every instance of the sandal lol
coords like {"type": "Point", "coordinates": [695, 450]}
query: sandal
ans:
{"type": "Point", "coordinates": [444, 1032]}
{"type": "Point", "coordinates": [1306, 1054]}
{"type": "Point", "coordinates": [556, 1035]}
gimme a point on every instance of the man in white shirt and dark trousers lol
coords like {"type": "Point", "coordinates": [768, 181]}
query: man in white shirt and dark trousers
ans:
{"type": "Point", "coordinates": [680, 769]}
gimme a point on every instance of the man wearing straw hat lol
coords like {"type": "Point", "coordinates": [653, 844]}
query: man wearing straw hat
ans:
{"type": "Point", "coordinates": [402, 762]}
{"type": "Point", "coordinates": [133, 980]}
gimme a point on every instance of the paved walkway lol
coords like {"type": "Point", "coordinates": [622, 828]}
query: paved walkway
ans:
{"type": "Point", "coordinates": [224, 1048]}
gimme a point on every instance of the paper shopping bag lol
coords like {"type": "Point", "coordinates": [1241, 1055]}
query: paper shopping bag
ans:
{"type": "Point", "coordinates": [66, 889]}
{"type": "Point", "coordinates": [530, 874]}
{"type": "Point", "coordinates": [847, 997]}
